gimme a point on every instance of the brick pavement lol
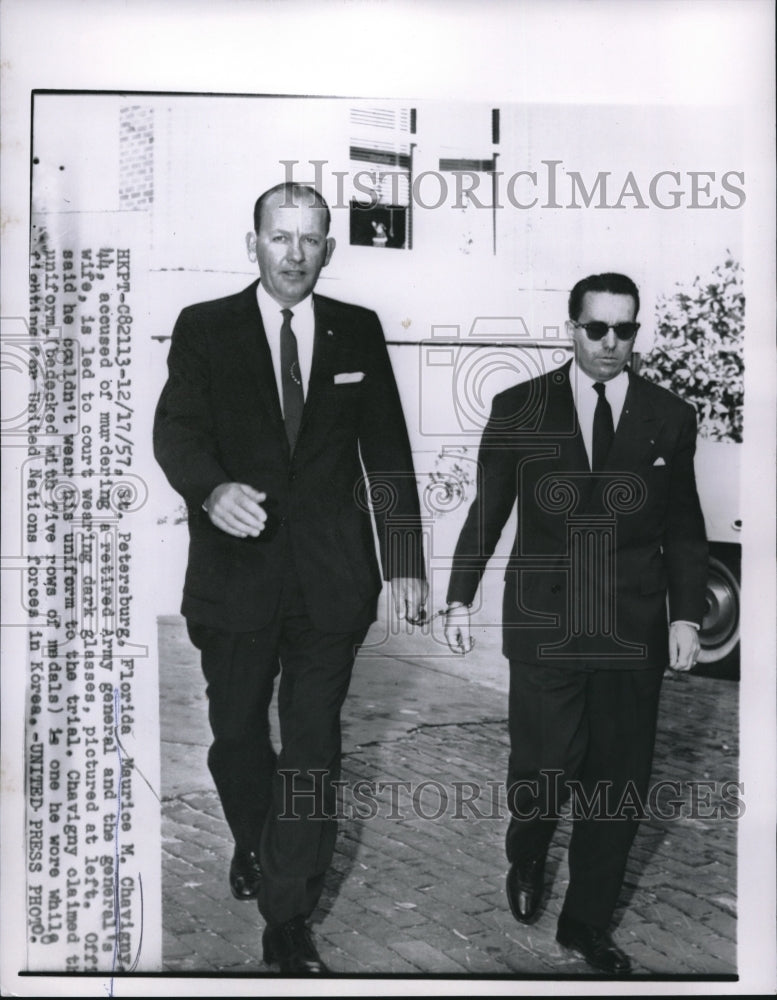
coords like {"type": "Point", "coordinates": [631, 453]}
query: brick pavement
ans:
{"type": "Point", "coordinates": [420, 890]}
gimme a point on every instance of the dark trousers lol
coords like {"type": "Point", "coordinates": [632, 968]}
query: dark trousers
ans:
{"type": "Point", "coordinates": [598, 728]}
{"type": "Point", "coordinates": [281, 806]}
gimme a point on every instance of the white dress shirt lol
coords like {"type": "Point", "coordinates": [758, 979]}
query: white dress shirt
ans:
{"type": "Point", "coordinates": [586, 398]}
{"type": "Point", "coordinates": [302, 323]}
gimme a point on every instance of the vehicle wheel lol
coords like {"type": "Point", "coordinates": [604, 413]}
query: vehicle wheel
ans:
{"type": "Point", "coordinates": [719, 633]}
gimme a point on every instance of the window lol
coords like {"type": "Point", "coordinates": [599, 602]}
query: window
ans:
{"type": "Point", "coordinates": [381, 162]}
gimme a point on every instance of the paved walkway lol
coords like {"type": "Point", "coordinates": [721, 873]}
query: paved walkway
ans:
{"type": "Point", "coordinates": [417, 887]}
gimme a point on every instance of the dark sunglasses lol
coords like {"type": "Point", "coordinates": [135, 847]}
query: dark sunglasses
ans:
{"type": "Point", "coordinates": [597, 329]}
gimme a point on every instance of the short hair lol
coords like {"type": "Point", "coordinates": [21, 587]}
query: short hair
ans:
{"type": "Point", "coordinates": [292, 190]}
{"type": "Point", "coordinates": [615, 284]}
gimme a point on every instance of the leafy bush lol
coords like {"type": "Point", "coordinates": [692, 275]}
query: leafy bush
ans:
{"type": "Point", "coordinates": [698, 350]}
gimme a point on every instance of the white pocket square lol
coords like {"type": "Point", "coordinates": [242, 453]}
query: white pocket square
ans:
{"type": "Point", "coordinates": [342, 378]}
{"type": "Point", "coordinates": [659, 461]}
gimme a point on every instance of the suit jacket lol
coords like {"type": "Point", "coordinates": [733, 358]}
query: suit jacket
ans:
{"type": "Point", "coordinates": [595, 555]}
{"type": "Point", "coordinates": [219, 420]}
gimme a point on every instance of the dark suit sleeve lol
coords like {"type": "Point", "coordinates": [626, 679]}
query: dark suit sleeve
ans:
{"type": "Point", "coordinates": [491, 507]}
{"type": "Point", "coordinates": [184, 435]}
{"type": "Point", "coordinates": [388, 461]}
{"type": "Point", "coordinates": [685, 539]}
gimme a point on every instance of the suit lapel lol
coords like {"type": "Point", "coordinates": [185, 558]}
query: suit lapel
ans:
{"type": "Point", "coordinates": [561, 421]}
{"type": "Point", "coordinates": [635, 435]}
{"type": "Point", "coordinates": [325, 341]}
{"type": "Point", "coordinates": [557, 434]}
{"type": "Point", "coordinates": [254, 349]}
{"type": "Point", "coordinates": [636, 431]}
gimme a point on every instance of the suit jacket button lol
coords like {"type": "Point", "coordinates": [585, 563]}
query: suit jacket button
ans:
{"type": "Point", "coordinates": [292, 476]}
{"type": "Point", "coordinates": [555, 588]}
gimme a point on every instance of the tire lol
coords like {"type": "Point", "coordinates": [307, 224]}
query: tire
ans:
{"type": "Point", "coordinates": [719, 633]}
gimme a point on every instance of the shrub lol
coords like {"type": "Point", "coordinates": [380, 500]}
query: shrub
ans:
{"type": "Point", "coordinates": [698, 350]}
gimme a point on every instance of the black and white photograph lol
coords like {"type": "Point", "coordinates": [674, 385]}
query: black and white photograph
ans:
{"type": "Point", "coordinates": [388, 499]}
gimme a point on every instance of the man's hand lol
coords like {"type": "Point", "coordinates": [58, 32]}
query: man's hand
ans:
{"type": "Point", "coordinates": [457, 629]}
{"type": "Point", "coordinates": [683, 645]}
{"type": "Point", "coordinates": [235, 508]}
{"type": "Point", "coordinates": [409, 596]}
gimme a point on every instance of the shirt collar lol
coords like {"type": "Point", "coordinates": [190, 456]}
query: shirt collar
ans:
{"type": "Point", "coordinates": [582, 380]}
{"type": "Point", "coordinates": [269, 307]}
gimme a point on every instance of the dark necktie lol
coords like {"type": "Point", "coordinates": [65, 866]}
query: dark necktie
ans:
{"type": "Point", "coordinates": [291, 380]}
{"type": "Point", "coordinates": [604, 429]}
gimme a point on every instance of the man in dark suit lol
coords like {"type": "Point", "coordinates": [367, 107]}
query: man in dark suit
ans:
{"type": "Point", "coordinates": [277, 399]}
{"type": "Point", "coordinates": [600, 463]}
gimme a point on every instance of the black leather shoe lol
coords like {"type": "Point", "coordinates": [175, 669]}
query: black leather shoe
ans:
{"type": "Point", "coordinates": [245, 875]}
{"type": "Point", "coordinates": [290, 945]}
{"type": "Point", "coordinates": [525, 882]}
{"type": "Point", "coordinates": [596, 947]}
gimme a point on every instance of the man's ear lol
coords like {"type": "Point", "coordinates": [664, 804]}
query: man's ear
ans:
{"type": "Point", "coordinates": [251, 246]}
{"type": "Point", "coordinates": [330, 249]}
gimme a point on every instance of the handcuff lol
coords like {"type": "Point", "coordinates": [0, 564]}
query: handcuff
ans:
{"type": "Point", "coordinates": [423, 619]}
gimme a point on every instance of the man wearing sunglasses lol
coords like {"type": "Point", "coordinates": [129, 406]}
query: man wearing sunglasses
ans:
{"type": "Point", "coordinates": [610, 534]}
